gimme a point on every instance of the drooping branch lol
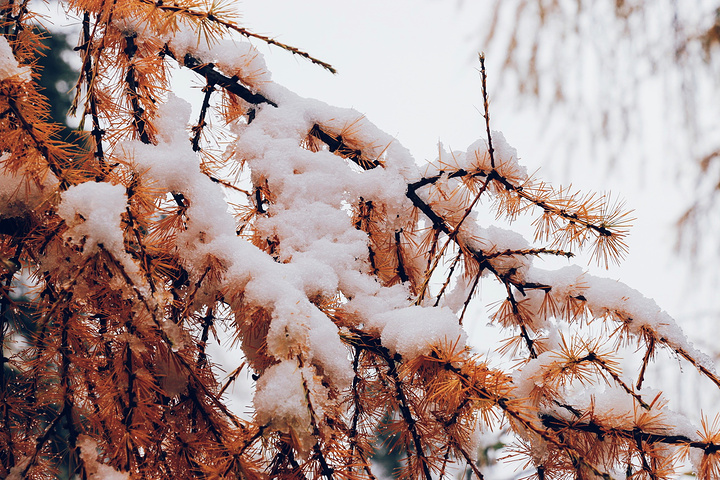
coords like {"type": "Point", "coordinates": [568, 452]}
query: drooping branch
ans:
{"type": "Point", "coordinates": [559, 424]}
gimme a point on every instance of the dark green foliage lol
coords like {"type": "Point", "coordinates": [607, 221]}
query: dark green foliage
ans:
{"type": "Point", "coordinates": [57, 78]}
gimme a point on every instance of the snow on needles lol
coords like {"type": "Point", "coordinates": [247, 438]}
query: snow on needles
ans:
{"type": "Point", "coordinates": [9, 67]}
{"type": "Point", "coordinates": [97, 470]}
{"type": "Point", "coordinates": [604, 296]}
{"type": "Point", "coordinates": [320, 251]}
{"type": "Point", "coordinates": [410, 330]}
{"type": "Point", "coordinates": [93, 213]}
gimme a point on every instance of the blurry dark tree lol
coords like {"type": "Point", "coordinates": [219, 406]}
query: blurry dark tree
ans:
{"type": "Point", "coordinates": [58, 76]}
{"type": "Point", "coordinates": [20, 313]}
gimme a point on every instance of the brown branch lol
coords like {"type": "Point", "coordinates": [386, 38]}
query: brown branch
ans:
{"type": "Point", "coordinates": [192, 375]}
{"type": "Point", "coordinates": [569, 216]}
{"type": "Point", "coordinates": [206, 325]}
{"type": "Point", "coordinates": [65, 385]}
{"type": "Point", "coordinates": [470, 462]}
{"type": "Point", "coordinates": [197, 129]}
{"type": "Point", "coordinates": [643, 459]}
{"type": "Point", "coordinates": [325, 469]}
{"type": "Point", "coordinates": [368, 342]}
{"type": "Point", "coordinates": [7, 454]}
{"type": "Point", "coordinates": [402, 274]}
{"type": "Point", "coordinates": [594, 358]}
{"type": "Point", "coordinates": [529, 342]}
{"type": "Point", "coordinates": [145, 257]}
{"type": "Point", "coordinates": [7, 13]}
{"type": "Point", "coordinates": [649, 352]}
{"type": "Point", "coordinates": [96, 132]}
{"type": "Point", "coordinates": [449, 276]}
{"type": "Point", "coordinates": [16, 20]}
{"type": "Point", "coordinates": [433, 252]}
{"type": "Point", "coordinates": [654, 337]}
{"type": "Point", "coordinates": [227, 184]}
{"type": "Point", "coordinates": [231, 84]}
{"type": "Point", "coordinates": [481, 393]}
{"type": "Point", "coordinates": [231, 378]}
{"type": "Point", "coordinates": [138, 111]}
{"type": "Point", "coordinates": [337, 145]}
{"type": "Point", "coordinates": [438, 222]}
{"type": "Point", "coordinates": [283, 457]}
{"type": "Point", "coordinates": [525, 252]}
{"type": "Point", "coordinates": [486, 114]}
{"type": "Point", "coordinates": [470, 295]}
{"type": "Point", "coordinates": [683, 353]}
{"type": "Point", "coordinates": [41, 146]}
{"type": "Point", "coordinates": [40, 444]}
{"type": "Point", "coordinates": [209, 16]}
{"type": "Point", "coordinates": [520, 416]}
{"type": "Point", "coordinates": [560, 424]}
{"type": "Point", "coordinates": [358, 409]}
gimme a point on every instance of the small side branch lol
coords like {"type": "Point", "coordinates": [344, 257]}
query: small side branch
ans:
{"type": "Point", "coordinates": [337, 145]}
{"type": "Point", "coordinates": [233, 86]}
{"type": "Point", "coordinates": [486, 114]}
{"type": "Point", "coordinates": [212, 17]}
{"type": "Point", "coordinates": [97, 133]}
{"type": "Point", "coordinates": [130, 79]}
{"type": "Point", "coordinates": [197, 129]}
{"type": "Point", "coordinates": [559, 424]}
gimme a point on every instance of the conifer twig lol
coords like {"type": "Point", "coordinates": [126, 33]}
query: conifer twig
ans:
{"type": "Point", "coordinates": [217, 19]}
{"type": "Point", "coordinates": [198, 128]}
{"type": "Point", "coordinates": [486, 109]}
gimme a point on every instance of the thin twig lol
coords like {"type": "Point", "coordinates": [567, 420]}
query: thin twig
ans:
{"type": "Point", "coordinates": [486, 113]}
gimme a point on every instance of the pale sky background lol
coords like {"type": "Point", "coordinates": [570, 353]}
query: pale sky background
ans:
{"type": "Point", "coordinates": [411, 67]}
